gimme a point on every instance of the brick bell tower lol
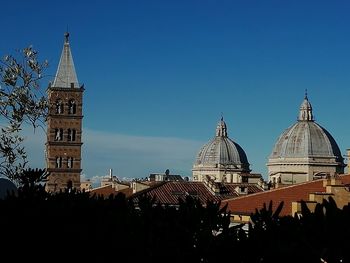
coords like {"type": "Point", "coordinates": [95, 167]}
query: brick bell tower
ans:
{"type": "Point", "coordinates": [64, 125]}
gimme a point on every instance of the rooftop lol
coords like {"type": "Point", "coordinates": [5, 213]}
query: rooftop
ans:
{"type": "Point", "coordinates": [170, 192]}
{"type": "Point", "coordinates": [248, 204]}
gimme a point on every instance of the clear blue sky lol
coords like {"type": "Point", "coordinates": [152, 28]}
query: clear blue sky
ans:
{"type": "Point", "coordinates": [158, 74]}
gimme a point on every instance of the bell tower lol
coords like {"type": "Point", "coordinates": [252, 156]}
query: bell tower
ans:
{"type": "Point", "coordinates": [64, 125]}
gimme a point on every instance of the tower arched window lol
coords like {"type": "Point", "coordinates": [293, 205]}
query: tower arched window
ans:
{"type": "Point", "coordinates": [59, 106]}
{"type": "Point", "coordinates": [58, 162]}
{"type": "Point", "coordinates": [72, 107]}
{"type": "Point", "coordinates": [58, 134]}
{"type": "Point", "coordinates": [71, 135]}
{"type": "Point", "coordinates": [70, 162]}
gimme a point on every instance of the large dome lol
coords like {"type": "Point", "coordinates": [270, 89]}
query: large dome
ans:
{"type": "Point", "coordinates": [222, 151]}
{"type": "Point", "coordinates": [306, 139]}
{"type": "Point", "coordinates": [304, 151]}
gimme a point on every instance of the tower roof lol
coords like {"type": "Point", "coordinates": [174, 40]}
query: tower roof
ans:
{"type": "Point", "coordinates": [65, 75]}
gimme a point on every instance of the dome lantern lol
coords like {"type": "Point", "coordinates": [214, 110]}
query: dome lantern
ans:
{"type": "Point", "coordinates": [306, 110]}
{"type": "Point", "coordinates": [221, 129]}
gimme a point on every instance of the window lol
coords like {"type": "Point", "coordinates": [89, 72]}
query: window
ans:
{"type": "Point", "coordinates": [70, 162]}
{"type": "Point", "coordinates": [71, 135]}
{"type": "Point", "coordinates": [59, 106]}
{"type": "Point", "coordinates": [72, 107]}
{"type": "Point", "coordinates": [58, 134]}
{"type": "Point", "coordinates": [58, 162]}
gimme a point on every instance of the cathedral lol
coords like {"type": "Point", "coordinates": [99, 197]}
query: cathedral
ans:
{"type": "Point", "coordinates": [304, 151]}
{"type": "Point", "coordinates": [64, 125]}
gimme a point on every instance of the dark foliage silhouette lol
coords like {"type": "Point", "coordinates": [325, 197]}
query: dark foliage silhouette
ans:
{"type": "Point", "coordinates": [76, 226]}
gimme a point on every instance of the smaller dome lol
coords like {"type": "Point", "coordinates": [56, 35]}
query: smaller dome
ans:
{"type": "Point", "coordinates": [223, 151]}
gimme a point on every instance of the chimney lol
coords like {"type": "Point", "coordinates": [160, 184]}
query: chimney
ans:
{"type": "Point", "coordinates": [242, 190]}
{"type": "Point", "coordinates": [216, 188]}
{"type": "Point", "coordinates": [111, 173]}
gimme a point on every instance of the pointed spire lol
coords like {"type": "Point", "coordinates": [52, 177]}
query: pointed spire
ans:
{"type": "Point", "coordinates": [221, 129]}
{"type": "Point", "coordinates": [65, 75]}
{"type": "Point", "coordinates": [305, 113]}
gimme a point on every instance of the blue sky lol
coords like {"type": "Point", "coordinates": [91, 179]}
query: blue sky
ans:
{"type": "Point", "coordinates": [158, 74]}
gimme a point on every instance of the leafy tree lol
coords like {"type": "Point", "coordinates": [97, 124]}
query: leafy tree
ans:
{"type": "Point", "coordinates": [21, 101]}
{"type": "Point", "coordinates": [95, 229]}
{"type": "Point", "coordinates": [32, 183]}
{"type": "Point", "coordinates": [326, 231]}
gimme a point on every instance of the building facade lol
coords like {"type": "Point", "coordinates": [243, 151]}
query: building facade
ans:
{"type": "Point", "coordinates": [222, 159]}
{"type": "Point", "coordinates": [305, 151]}
{"type": "Point", "coordinates": [64, 125]}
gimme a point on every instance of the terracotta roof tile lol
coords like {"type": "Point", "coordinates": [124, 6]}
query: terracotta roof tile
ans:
{"type": "Point", "coordinates": [108, 190]}
{"type": "Point", "coordinates": [126, 191]}
{"type": "Point", "coordinates": [248, 204]}
{"type": "Point", "coordinates": [170, 192]}
{"type": "Point", "coordinates": [105, 191]}
{"type": "Point", "coordinates": [345, 179]}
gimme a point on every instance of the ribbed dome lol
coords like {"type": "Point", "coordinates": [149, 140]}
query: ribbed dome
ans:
{"type": "Point", "coordinates": [221, 150]}
{"type": "Point", "coordinates": [306, 139]}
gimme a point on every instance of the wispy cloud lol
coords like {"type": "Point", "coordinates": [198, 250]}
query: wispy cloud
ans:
{"type": "Point", "coordinates": [128, 156]}
{"type": "Point", "coordinates": [34, 142]}
{"type": "Point", "coordinates": [137, 156]}
{"type": "Point", "coordinates": [95, 180]}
